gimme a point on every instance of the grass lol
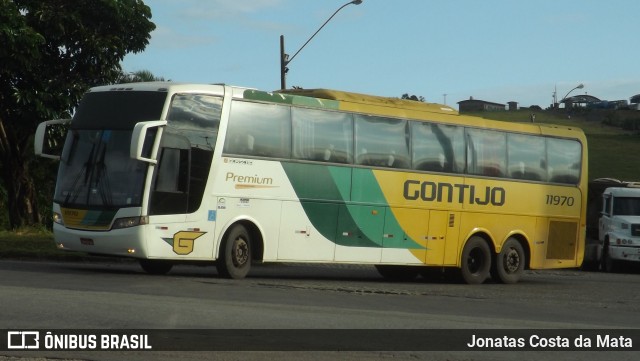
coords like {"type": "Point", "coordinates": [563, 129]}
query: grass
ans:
{"type": "Point", "coordinates": [614, 156]}
{"type": "Point", "coordinates": [26, 244]}
{"type": "Point", "coordinates": [34, 244]}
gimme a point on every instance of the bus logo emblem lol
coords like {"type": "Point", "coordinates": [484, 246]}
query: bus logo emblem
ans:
{"type": "Point", "coordinates": [183, 241]}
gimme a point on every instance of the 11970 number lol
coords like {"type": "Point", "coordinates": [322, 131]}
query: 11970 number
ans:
{"type": "Point", "coordinates": [555, 200]}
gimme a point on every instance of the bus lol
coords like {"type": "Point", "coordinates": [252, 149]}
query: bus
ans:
{"type": "Point", "coordinates": [169, 173]}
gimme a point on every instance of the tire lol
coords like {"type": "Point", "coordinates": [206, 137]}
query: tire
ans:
{"type": "Point", "coordinates": [476, 261]}
{"type": "Point", "coordinates": [589, 265]}
{"type": "Point", "coordinates": [590, 261]}
{"type": "Point", "coordinates": [155, 267]}
{"type": "Point", "coordinates": [509, 263]}
{"type": "Point", "coordinates": [234, 260]}
{"type": "Point", "coordinates": [608, 264]}
{"type": "Point", "coordinates": [398, 273]}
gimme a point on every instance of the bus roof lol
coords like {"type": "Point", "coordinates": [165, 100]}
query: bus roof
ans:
{"type": "Point", "coordinates": [371, 100]}
{"type": "Point", "coordinates": [163, 86]}
{"type": "Point", "coordinates": [405, 108]}
{"type": "Point", "coordinates": [353, 102]}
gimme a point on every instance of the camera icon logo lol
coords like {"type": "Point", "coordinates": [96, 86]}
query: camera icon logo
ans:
{"type": "Point", "coordinates": [23, 340]}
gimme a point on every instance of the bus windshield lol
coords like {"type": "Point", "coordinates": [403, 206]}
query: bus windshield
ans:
{"type": "Point", "coordinates": [95, 168]}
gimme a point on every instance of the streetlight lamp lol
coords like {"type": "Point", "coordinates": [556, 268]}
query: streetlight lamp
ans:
{"type": "Point", "coordinates": [580, 86]}
{"type": "Point", "coordinates": [284, 58]}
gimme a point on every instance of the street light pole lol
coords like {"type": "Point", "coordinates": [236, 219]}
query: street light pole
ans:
{"type": "Point", "coordinates": [284, 60]}
{"type": "Point", "coordinates": [580, 86]}
{"type": "Point", "coordinates": [284, 57]}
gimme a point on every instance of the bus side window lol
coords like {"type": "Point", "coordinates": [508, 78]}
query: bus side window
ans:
{"type": "Point", "coordinates": [196, 118]}
{"type": "Point", "coordinates": [564, 160]}
{"type": "Point", "coordinates": [527, 158]}
{"type": "Point", "coordinates": [240, 144]}
{"type": "Point", "coordinates": [172, 170]}
{"type": "Point", "coordinates": [257, 129]}
{"type": "Point", "coordinates": [382, 142]}
{"type": "Point", "coordinates": [487, 152]}
{"type": "Point", "coordinates": [437, 147]}
{"type": "Point", "coordinates": [171, 178]}
{"type": "Point", "coordinates": [320, 135]}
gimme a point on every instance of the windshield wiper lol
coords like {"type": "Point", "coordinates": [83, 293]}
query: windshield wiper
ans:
{"type": "Point", "coordinates": [75, 188]}
{"type": "Point", "coordinates": [102, 178]}
{"type": "Point", "coordinates": [94, 171]}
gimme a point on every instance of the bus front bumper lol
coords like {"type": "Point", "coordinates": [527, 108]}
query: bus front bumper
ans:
{"type": "Point", "coordinates": [127, 242]}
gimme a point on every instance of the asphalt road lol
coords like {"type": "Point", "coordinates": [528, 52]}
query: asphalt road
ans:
{"type": "Point", "coordinates": [47, 295]}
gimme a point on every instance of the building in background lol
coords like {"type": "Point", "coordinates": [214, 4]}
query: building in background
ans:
{"type": "Point", "coordinates": [475, 105]}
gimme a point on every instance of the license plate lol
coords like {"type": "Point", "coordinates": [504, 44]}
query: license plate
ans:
{"type": "Point", "coordinates": [86, 241]}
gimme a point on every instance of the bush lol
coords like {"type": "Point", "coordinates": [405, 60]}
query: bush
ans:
{"type": "Point", "coordinates": [632, 124]}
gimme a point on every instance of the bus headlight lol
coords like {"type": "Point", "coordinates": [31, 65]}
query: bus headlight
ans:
{"type": "Point", "coordinates": [128, 222]}
{"type": "Point", "coordinates": [57, 218]}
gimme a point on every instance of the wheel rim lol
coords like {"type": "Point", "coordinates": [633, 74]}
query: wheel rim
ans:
{"type": "Point", "coordinates": [511, 261]}
{"type": "Point", "coordinates": [475, 261]}
{"type": "Point", "coordinates": [240, 254]}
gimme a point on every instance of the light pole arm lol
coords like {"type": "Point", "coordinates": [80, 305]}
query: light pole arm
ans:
{"type": "Point", "coordinates": [569, 92]}
{"type": "Point", "coordinates": [284, 60]}
{"type": "Point", "coordinates": [317, 31]}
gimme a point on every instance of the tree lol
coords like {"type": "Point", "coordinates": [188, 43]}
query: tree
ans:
{"type": "Point", "coordinates": [51, 53]}
{"type": "Point", "coordinates": [137, 77]}
{"type": "Point", "coordinates": [413, 97]}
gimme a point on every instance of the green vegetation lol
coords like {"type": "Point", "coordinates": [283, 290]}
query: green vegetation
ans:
{"type": "Point", "coordinates": [51, 53]}
{"type": "Point", "coordinates": [36, 244]}
{"type": "Point", "coordinates": [29, 243]}
{"type": "Point", "coordinates": [612, 136]}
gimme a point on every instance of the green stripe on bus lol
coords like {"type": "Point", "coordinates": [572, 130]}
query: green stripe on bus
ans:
{"type": "Point", "coordinates": [98, 218]}
{"type": "Point", "coordinates": [326, 190]}
{"type": "Point", "coordinates": [290, 99]}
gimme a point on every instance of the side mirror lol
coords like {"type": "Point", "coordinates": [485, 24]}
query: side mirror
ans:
{"type": "Point", "coordinates": [138, 140]}
{"type": "Point", "coordinates": [49, 138]}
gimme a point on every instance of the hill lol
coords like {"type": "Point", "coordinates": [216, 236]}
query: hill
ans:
{"type": "Point", "coordinates": [612, 136]}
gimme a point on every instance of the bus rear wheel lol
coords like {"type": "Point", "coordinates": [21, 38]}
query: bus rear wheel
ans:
{"type": "Point", "coordinates": [476, 261]}
{"type": "Point", "coordinates": [509, 264]}
{"type": "Point", "coordinates": [235, 253]}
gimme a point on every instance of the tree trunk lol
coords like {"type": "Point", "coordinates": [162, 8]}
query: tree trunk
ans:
{"type": "Point", "coordinates": [21, 194]}
{"type": "Point", "coordinates": [19, 184]}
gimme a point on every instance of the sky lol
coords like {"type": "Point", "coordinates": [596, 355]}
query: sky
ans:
{"type": "Point", "coordinates": [443, 50]}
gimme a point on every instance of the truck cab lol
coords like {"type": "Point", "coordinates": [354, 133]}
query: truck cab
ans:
{"type": "Point", "coordinates": [619, 227]}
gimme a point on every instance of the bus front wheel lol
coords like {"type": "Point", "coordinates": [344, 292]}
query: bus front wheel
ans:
{"type": "Point", "coordinates": [509, 264]}
{"type": "Point", "coordinates": [476, 261]}
{"type": "Point", "coordinates": [235, 253]}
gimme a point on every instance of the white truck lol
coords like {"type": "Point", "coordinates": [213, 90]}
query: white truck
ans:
{"type": "Point", "coordinates": [619, 226]}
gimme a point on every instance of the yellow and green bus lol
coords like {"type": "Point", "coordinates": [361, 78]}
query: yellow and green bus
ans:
{"type": "Point", "coordinates": [170, 173]}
